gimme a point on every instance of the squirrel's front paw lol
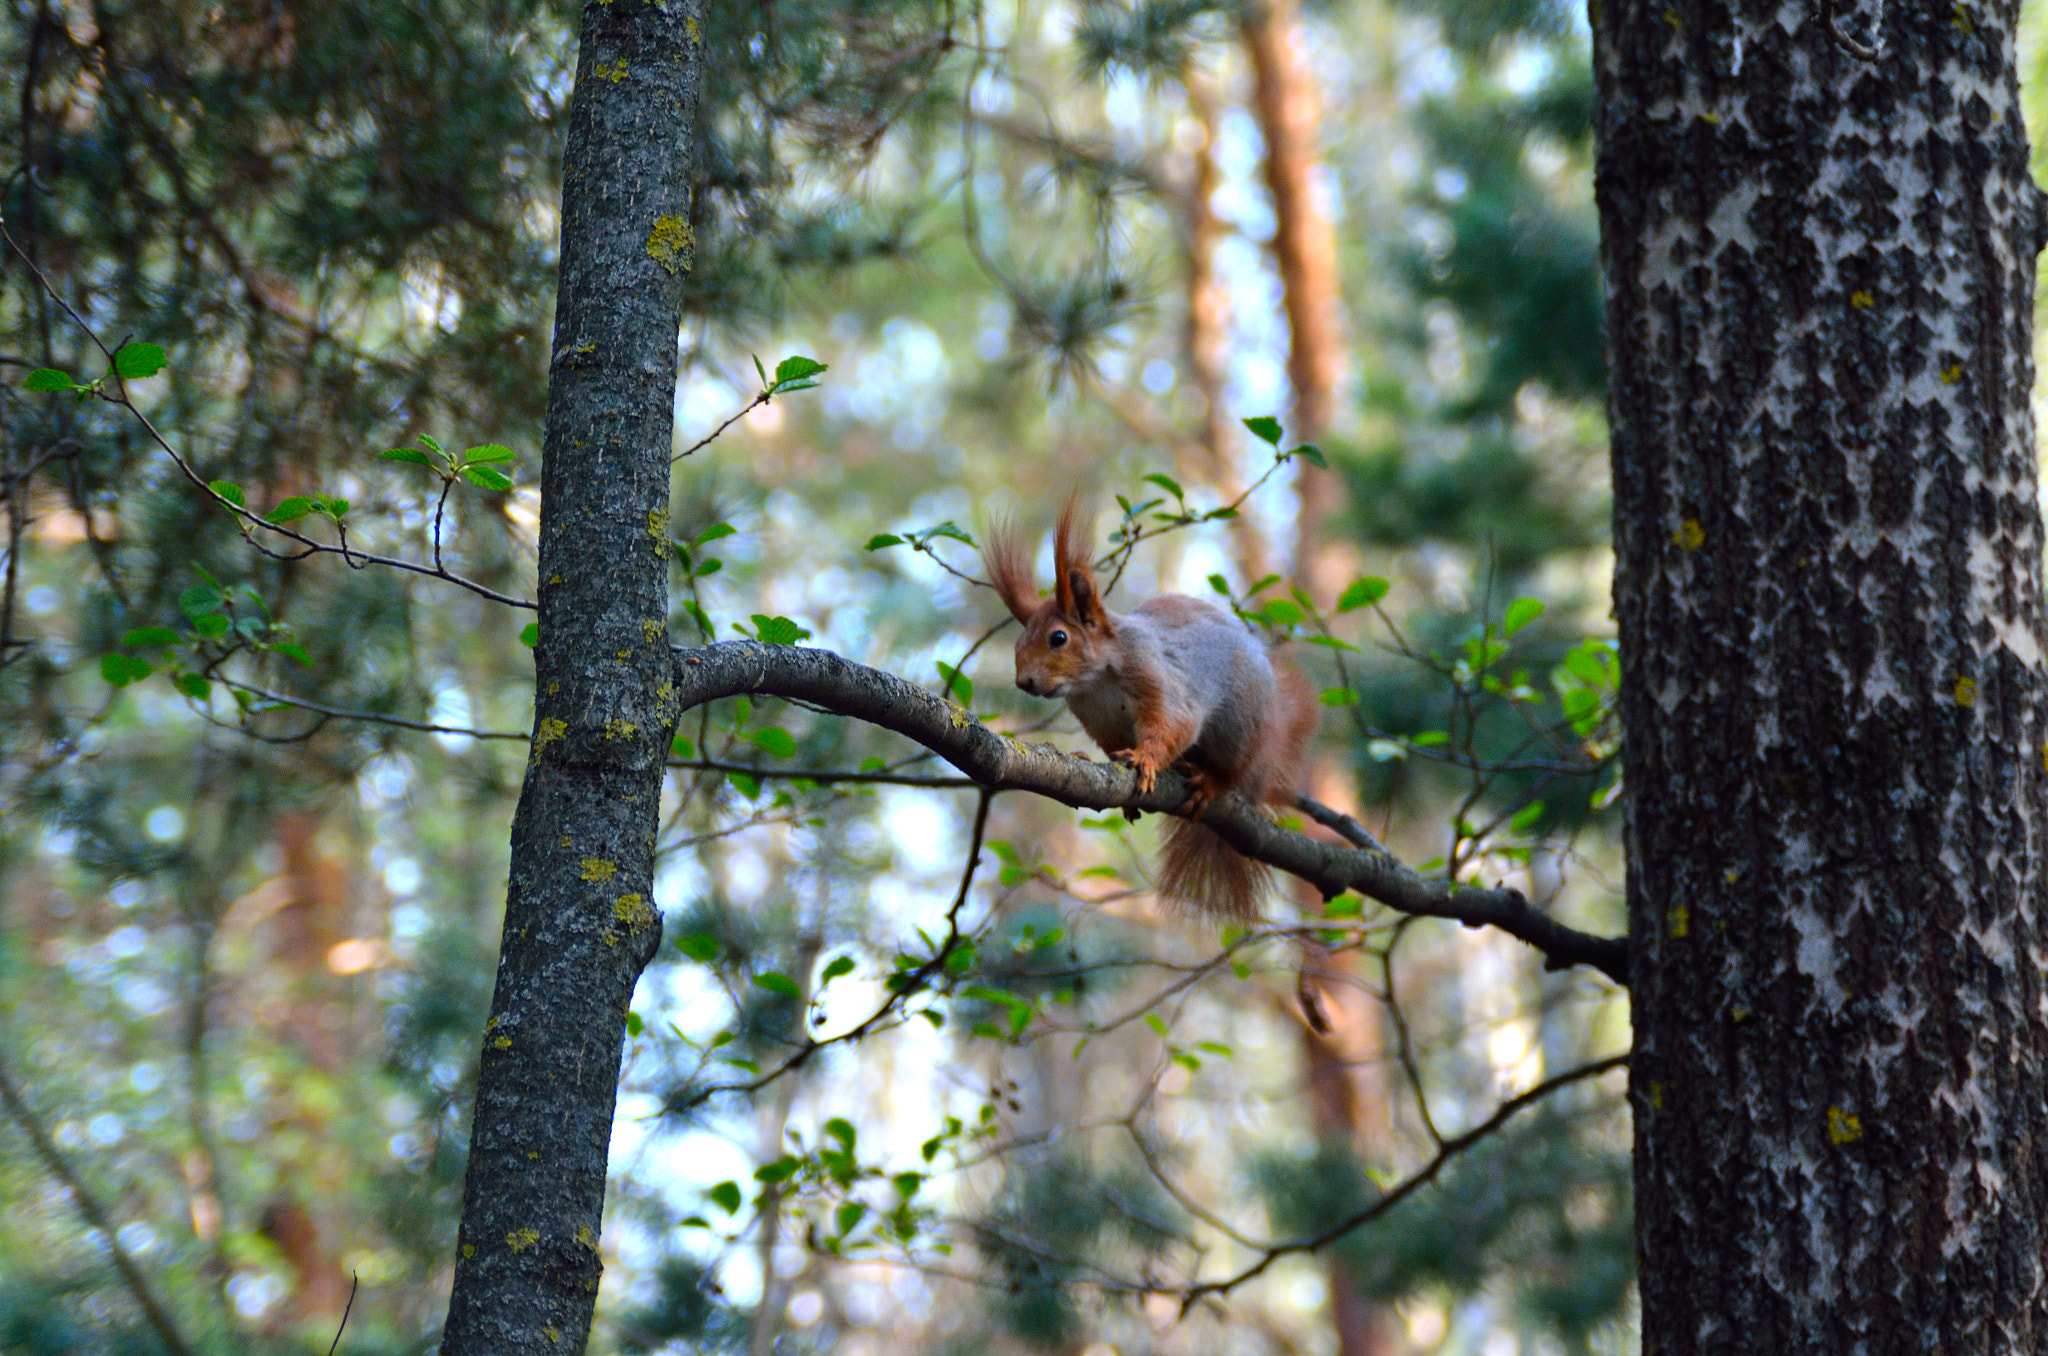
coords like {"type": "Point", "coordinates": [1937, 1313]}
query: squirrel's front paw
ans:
{"type": "Point", "coordinates": [1147, 770]}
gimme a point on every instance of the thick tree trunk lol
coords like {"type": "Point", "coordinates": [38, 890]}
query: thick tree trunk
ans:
{"type": "Point", "coordinates": [1820, 288]}
{"type": "Point", "coordinates": [579, 918]}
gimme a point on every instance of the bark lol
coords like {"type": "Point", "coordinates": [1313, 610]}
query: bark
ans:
{"type": "Point", "coordinates": [579, 918]}
{"type": "Point", "coordinates": [1001, 763]}
{"type": "Point", "coordinates": [1820, 284]}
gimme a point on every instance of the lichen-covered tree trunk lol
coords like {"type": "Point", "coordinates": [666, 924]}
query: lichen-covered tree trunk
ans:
{"type": "Point", "coordinates": [579, 918]}
{"type": "Point", "coordinates": [1820, 286]}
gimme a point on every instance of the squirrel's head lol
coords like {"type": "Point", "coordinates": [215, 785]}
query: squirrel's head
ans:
{"type": "Point", "coordinates": [1067, 636]}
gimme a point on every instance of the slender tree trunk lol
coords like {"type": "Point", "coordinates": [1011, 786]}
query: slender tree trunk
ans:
{"type": "Point", "coordinates": [1820, 289]}
{"type": "Point", "coordinates": [579, 918]}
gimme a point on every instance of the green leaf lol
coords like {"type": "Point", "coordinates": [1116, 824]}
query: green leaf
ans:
{"type": "Point", "coordinates": [1167, 483]}
{"type": "Point", "coordinates": [1220, 584]}
{"type": "Point", "coordinates": [794, 368]}
{"type": "Point", "coordinates": [1311, 453]}
{"type": "Point", "coordinates": [842, 1130]}
{"type": "Point", "coordinates": [411, 454]}
{"type": "Point", "coordinates": [199, 600]}
{"type": "Point", "coordinates": [1217, 1048]}
{"type": "Point", "coordinates": [529, 634]}
{"type": "Point", "coordinates": [489, 454]}
{"type": "Point", "coordinates": [1339, 696]}
{"type": "Point", "coordinates": [1582, 708]}
{"type": "Point", "coordinates": [748, 786]}
{"type": "Point", "coordinates": [875, 764]}
{"type": "Point", "coordinates": [1280, 612]}
{"type": "Point", "coordinates": [211, 625]}
{"type": "Point", "coordinates": [726, 1196]}
{"type": "Point", "coordinates": [681, 747]}
{"type": "Point", "coordinates": [293, 650]}
{"type": "Point", "coordinates": [1362, 593]}
{"type": "Point", "coordinates": [1429, 739]}
{"type": "Point", "coordinates": [781, 1170]}
{"type": "Point", "coordinates": [709, 567]}
{"type": "Point", "coordinates": [773, 742]}
{"type": "Point", "coordinates": [1344, 906]}
{"type": "Point", "coordinates": [634, 1024]}
{"type": "Point", "coordinates": [848, 1215]}
{"type": "Point", "coordinates": [957, 683]}
{"type": "Point", "coordinates": [49, 379]}
{"type": "Point", "coordinates": [1265, 428]}
{"type": "Point", "coordinates": [1526, 817]}
{"type": "Point", "coordinates": [152, 635]}
{"type": "Point", "coordinates": [290, 510]}
{"type": "Point", "coordinates": [778, 630]}
{"type": "Point", "coordinates": [883, 539]}
{"type": "Point", "coordinates": [1152, 1019]}
{"type": "Point", "coordinates": [228, 490]}
{"type": "Point", "coordinates": [333, 508]}
{"type": "Point", "coordinates": [1331, 643]}
{"type": "Point", "coordinates": [960, 960]}
{"type": "Point", "coordinates": [834, 968]}
{"type": "Point", "coordinates": [123, 669]}
{"type": "Point", "coordinates": [1521, 612]}
{"type": "Point", "coordinates": [699, 946]}
{"type": "Point", "coordinates": [714, 532]}
{"type": "Point", "coordinates": [485, 478]}
{"type": "Point", "coordinates": [135, 361]}
{"type": "Point", "coordinates": [774, 981]}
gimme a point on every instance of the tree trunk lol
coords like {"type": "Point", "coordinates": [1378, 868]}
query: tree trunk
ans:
{"type": "Point", "coordinates": [1820, 286]}
{"type": "Point", "coordinates": [579, 921]}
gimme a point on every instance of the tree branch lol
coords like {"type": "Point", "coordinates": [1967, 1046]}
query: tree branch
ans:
{"type": "Point", "coordinates": [1001, 763]}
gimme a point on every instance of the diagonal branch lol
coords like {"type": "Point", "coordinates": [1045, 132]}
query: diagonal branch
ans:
{"type": "Point", "coordinates": [1000, 763]}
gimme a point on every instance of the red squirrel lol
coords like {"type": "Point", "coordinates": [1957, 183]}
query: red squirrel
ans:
{"type": "Point", "coordinates": [1176, 682]}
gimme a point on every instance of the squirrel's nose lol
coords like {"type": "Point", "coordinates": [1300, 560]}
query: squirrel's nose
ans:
{"type": "Point", "coordinates": [1030, 685]}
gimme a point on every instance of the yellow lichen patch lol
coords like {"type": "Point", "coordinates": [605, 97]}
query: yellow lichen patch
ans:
{"type": "Point", "coordinates": [550, 730]}
{"type": "Point", "coordinates": [670, 244]}
{"type": "Point", "coordinates": [633, 913]}
{"type": "Point", "coordinates": [522, 1239]}
{"type": "Point", "coordinates": [585, 1237]}
{"type": "Point", "coordinates": [1862, 301]}
{"type": "Point", "coordinates": [614, 71]}
{"type": "Point", "coordinates": [1689, 535]}
{"type": "Point", "coordinates": [564, 842]}
{"type": "Point", "coordinates": [1966, 691]}
{"type": "Point", "coordinates": [1962, 22]}
{"type": "Point", "coordinates": [1671, 17]}
{"type": "Point", "coordinates": [1738, 1014]}
{"type": "Point", "coordinates": [653, 630]}
{"type": "Point", "coordinates": [533, 1153]}
{"type": "Point", "coordinates": [550, 1334]}
{"type": "Point", "coordinates": [1843, 1128]}
{"type": "Point", "coordinates": [553, 688]}
{"type": "Point", "coordinates": [580, 350]}
{"type": "Point", "coordinates": [1714, 118]}
{"type": "Point", "coordinates": [502, 1043]}
{"type": "Point", "coordinates": [1731, 874]}
{"type": "Point", "coordinates": [1677, 921]}
{"type": "Point", "coordinates": [620, 729]}
{"type": "Point", "coordinates": [469, 1250]}
{"type": "Point", "coordinates": [1655, 1093]}
{"type": "Point", "coordinates": [657, 528]}
{"type": "Point", "coordinates": [490, 1026]}
{"type": "Point", "coordinates": [1951, 374]}
{"type": "Point", "coordinates": [598, 869]}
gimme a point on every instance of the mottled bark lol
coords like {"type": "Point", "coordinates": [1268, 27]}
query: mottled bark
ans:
{"type": "Point", "coordinates": [579, 918]}
{"type": "Point", "coordinates": [825, 680]}
{"type": "Point", "coordinates": [1820, 285]}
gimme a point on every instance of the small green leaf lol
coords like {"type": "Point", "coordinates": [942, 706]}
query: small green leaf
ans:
{"type": "Point", "coordinates": [1362, 593]}
{"type": "Point", "coordinates": [774, 981]}
{"type": "Point", "coordinates": [726, 1196]}
{"type": "Point", "coordinates": [681, 747]}
{"type": "Point", "coordinates": [714, 532]}
{"type": "Point", "coordinates": [489, 454]}
{"type": "Point", "coordinates": [1217, 1048]}
{"type": "Point", "coordinates": [1280, 612]}
{"type": "Point", "coordinates": [198, 601]}
{"type": "Point", "coordinates": [1310, 452]}
{"type": "Point", "coordinates": [957, 683]}
{"type": "Point", "coordinates": [907, 1183]}
{"type": "Point", "coordinates": [486, 478]}
{"type": "Point", "coordinates": [746, 785]}
{"type": "Point", "coordinates": [1152, 1019]}
{"type": "Point", "coordinates": [1339, 696]}
{"type": "Point", "coordinates": [1344, 906]}
{"type": "Point", "coordinates": [773, 742]}
{"type": "Point", "coordinates": [960, 960]}
{"type": "Point", "coordinates": [151, 635]}
{"type": "Point", "coordinates": [1429, 739]}
{"type": "Point", "coordinates": [293, 650]}
{"type": "Point", "coordinates": [1220, 584]}
{"type": "Point", "coordinates": [1331, 643]}
{"type": "Point", "coordinates": [1167, 483]}
{"type": "Point", "coordinates": [1265, 428]}
{"type": "Point", "coordinates": [529, 634]}
{"type": "Point", "coordinates": [49, 379]}
{"type": "Point", "coordinates": [873, 765]}
{"type": "Point", "coordinates": [1526, 817]}
{"type": "Point", "coordinates": [411, 454]}
{"type": "Point", "coordinates": [123, 669]}
{"type": "Point", "coordinates": [290, 510]}
{"type": "Point", "coordinates": [709, 567]}
{"type": "Point", "coordinates": [778, 630]}
{"type": "Point", "coordinates": [699, 946]}
{"type": "Point", "coordinates": [228, 490]}
{"type": "Point", "coordinates": [842, 1130]}
{"type": "Point", "coordinates": [135, 361]}
{"type": "Point", "coordinates": [1521, 612]}
{"type": "Point", "coordinates": [634, 1024]}
{"type": "Point", "coordinates": [834, 968]}
{"type": "Point", "coordinates": [848, 1215]}
{"type": "Point", "coordinates": [781, 1170]}
{"type": "Point", "coordinates": [211, 625]}
{"type": "Point", "coordinates": [883, 539]}
{"type": "Point", "coordinates": [796, 367]}
{"type": "Point", "coordinates": [333, 508]}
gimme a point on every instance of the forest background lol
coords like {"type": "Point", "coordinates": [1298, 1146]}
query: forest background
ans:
{"type": "Point", "coordinates": [255, 810]}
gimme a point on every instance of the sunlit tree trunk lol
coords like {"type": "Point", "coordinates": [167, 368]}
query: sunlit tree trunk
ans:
{"type": "Point", "coordinates": [579, 916]}
{"type": "Point", "coordinates": [1820, 287]}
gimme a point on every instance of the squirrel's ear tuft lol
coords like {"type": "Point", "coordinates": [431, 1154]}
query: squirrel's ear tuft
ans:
{"type": "Point", "coordinates": [1009, 569]}
{"type": "Point", "coordinates": [1073, 573]}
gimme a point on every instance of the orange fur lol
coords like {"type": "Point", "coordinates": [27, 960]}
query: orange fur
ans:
{"type": "Point", "coordinates": [1009, 568]}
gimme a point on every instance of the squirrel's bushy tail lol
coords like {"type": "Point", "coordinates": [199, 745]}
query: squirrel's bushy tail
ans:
{"type": "Point", "coordinates": [1201, 872]}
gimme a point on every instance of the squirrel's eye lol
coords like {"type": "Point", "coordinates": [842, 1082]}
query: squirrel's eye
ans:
{"type": "Point", "coordinates": [1056, 639]}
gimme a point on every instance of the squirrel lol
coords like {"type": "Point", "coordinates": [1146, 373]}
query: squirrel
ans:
{"type": "Point", "coordinates": [1176, 682]}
